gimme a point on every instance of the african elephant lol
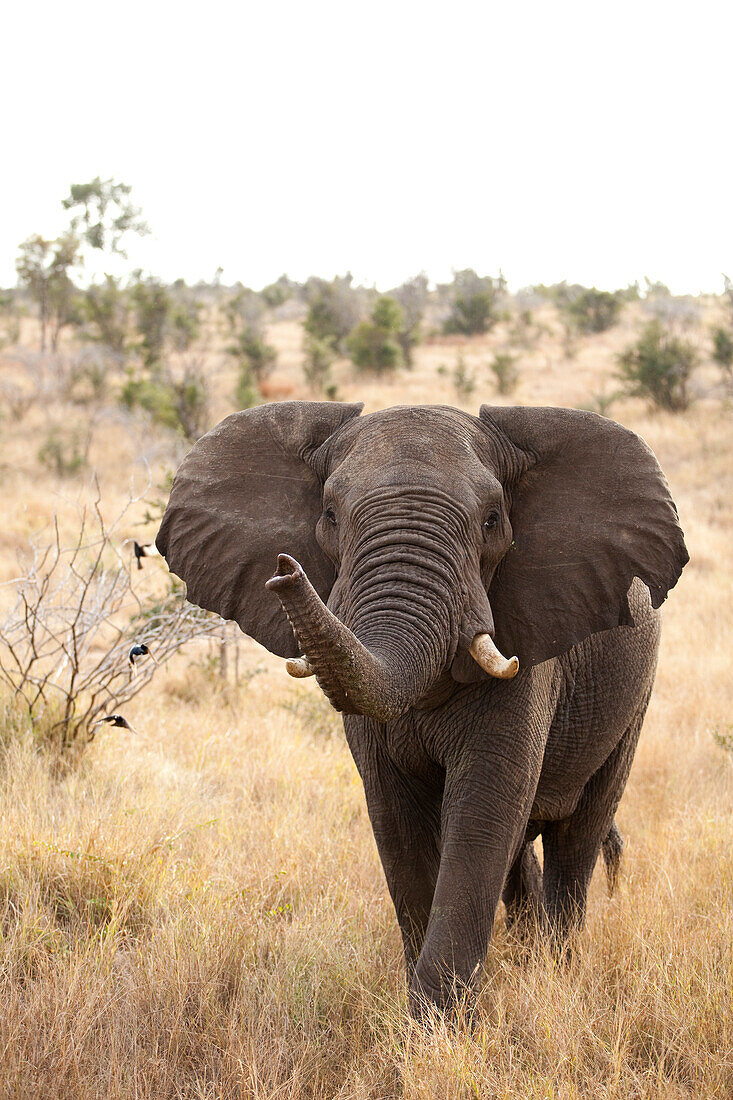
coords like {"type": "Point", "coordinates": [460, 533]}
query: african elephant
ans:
{"type": "Point", "coordinates": [421, 556]}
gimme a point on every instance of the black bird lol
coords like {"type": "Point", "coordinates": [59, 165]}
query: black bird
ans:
{"type": "Point", "coordinates": [138, 650]}
{"type": "Point", "coordinates": [116, 720]}
{"type": "Point", "coordinates": [144, 550]}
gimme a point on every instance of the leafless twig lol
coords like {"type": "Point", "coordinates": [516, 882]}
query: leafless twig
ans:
{"type": "Point", "coordinates": [64, 647]}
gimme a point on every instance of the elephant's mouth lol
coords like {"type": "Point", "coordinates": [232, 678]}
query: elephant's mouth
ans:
{"type": "Point", "coordinates": [357, 679]}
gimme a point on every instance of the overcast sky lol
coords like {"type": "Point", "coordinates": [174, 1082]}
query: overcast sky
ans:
{"type": "Point", "coordinates": [587, 141]}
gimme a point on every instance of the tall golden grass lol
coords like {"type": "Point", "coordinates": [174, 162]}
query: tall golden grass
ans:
{"type": "Point", "coordinates": [198, 910]}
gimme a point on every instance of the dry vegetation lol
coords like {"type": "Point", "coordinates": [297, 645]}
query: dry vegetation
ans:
{"type": "Point", "coordinates": [198, 910]}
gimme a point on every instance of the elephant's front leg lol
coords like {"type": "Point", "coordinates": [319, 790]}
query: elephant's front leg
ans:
{"type": "Point", "coordinates": [486, 806]}
{"type": "Point", "coordinates": [404, 810]}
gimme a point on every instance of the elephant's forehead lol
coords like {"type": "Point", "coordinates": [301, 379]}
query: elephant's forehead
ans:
{"type": "Point", "coordinates": [416, 445]}
{"type": "Point", "coordinates": [431, 434]}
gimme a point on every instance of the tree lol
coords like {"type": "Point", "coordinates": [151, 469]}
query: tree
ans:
{"type": "Point", "coordinates": [43, 267]}
{"type": "Point", "coordinates": [658, 367]}
{"type": "Point", "coordinates": [374, 345]}
{"type": "Point", "coordinates": [104, 214]}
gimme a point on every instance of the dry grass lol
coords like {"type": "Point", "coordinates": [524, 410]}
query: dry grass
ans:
{"type": "Point", "coordinates": [199, 911]}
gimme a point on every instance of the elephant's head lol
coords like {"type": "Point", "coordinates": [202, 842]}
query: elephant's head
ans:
{"type": "Point", "coordinates": [405, 540]}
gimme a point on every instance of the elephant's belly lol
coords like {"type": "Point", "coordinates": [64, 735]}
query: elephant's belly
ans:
{"type": "Point", "coordinates": [606, 686]}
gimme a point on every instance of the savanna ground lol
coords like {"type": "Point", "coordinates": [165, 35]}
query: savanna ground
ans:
{"type": "Point", "coordinates": [197, 910]}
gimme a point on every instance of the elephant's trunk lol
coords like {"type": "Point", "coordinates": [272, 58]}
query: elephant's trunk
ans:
{"type": "Point", "coordinates": [381, 684]}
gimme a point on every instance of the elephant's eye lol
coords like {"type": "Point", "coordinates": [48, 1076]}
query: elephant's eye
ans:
{"type": "Point", "coordinates": [492, 521]}
{"type": "Point", "coordinates": [330, 516]}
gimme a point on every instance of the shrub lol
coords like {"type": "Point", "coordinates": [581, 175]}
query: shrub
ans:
{"type": "Point", "coordinates": [412, 297]}
{"type": "Point", "coordinates": [474, 303]}
{"type": "Point", "coordinates": [658, 366]}
{"type": "Point", "coordinates": [504, 368]}
{"type": "Point", "coordinates": [463, 380]}
{"type": "Point", "coordinates": [184, 322]}
{"type": "Point", "coordinates": [244, 309]}
{"type": "Point", "coordinates": [334, 309]}
{"type": "Point", "coordinates": [373, 345]}
{"type": "Point", "coordinates": [253, 354]}
{"type": "Point", "coordinates": [524, 331]}
{"type": "Point", "coordinates": [106, 307]}
{"type": "Point", "coordinates": [153, 307]}
{"type": "Point", "coordinates": [247, 392]}
{"type": "Point", "coordinates": [317, 363]}
{"type": "Point", "coordinates": [180, 404]}
{"type": "Point", "coordinates": [594, 310]}
{"type": "Point", "coordinates": [723, 349]}
{"type": "Point", "coordinates": [9, 319]}
{"type": "Point", "coordinates": [601, 403]}
{"type": "Point", "coordinates": [277, 293]}
{"type": "Point", "coordinates": [64, 455]}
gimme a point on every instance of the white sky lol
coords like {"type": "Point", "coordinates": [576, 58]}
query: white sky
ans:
{"type": "Point", "coordinates": [588, 141]}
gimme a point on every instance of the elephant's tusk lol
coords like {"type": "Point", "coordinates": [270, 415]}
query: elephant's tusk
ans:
{"type": "Point", "coordinates": [299, 667]}
{"type": "Point", "coordinates": [485, 654]}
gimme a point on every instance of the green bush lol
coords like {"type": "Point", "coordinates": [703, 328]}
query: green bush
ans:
{"type": "Point", "coordinates": [594, 310]}
{"type": "Point", "coordinates": [334, 309]}
{"type": "Point", "coordinates": [474, 303]}
{"type": "Point", "coordinates": [179, 404]}
{"type": "Point", "coordinates": [504, 368]}
{"type": "Point", "coordinates": [253, 353]}
{"type": "Point", "coordinates": [658, 366]}
{"type": "Point", "coordinates": [184, 321]}
{"type": "Point", "coordinates": [106, 309]}
{"type": "Point", "coordinates": [723, 349]}
{"type": "Point", "coordinates": [463, 380]}
{"type": "Point", "coordinates": [318, 359]}
{"type": "Point", "coordinates": [153, 308]}
{"type": "Point", "coordinates": [64, 456]}
{"type": "Point", "coordinates": [277, 293]}
{"type": "Point", "coordinates": [373, 345]}
{"type": "Point", "coordinates": [412, 297]}
{"type": "Point", "coordinates": [247, 392]}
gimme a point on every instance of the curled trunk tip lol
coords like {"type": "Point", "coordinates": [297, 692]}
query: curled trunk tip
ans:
{"type": "Point", "coordinates": [299, 667]}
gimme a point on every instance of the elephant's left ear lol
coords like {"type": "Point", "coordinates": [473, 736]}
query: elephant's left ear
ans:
{"type": "Point", "coordinates": [591, 511]}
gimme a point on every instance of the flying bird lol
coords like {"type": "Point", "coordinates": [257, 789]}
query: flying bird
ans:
{"type": "Point", "coordinates": [138, 650]}
{"type": "Point", "coordinates": [144, 550]}
{"type": "Point", "coordinates": [116, 720]}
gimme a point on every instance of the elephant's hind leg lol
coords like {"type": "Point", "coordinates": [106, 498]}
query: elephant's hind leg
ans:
{"type": "Point", "coordinates": [522, 893]}
{"type": "Point", "coordinates": [571, 847]}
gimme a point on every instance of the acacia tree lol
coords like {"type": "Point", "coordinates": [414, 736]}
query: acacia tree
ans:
{"type": "Point", "coordinates": [104, 214]}
{"type": "Point", "coordinates": [43, 267]}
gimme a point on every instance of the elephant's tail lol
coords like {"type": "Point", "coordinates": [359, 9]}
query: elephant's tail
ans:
{"type": "Point", "coordinates": [612, 848]}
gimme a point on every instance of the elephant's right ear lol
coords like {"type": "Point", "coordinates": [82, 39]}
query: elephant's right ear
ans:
{"type": "Point", "coordinates": [244, 494]}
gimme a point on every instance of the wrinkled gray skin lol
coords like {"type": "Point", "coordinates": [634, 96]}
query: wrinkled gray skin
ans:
{"type": "Point", "coordinates": [417, 528]}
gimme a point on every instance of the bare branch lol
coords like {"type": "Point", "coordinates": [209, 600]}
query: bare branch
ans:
{"type": "Point", "coordinates": [64, 648]}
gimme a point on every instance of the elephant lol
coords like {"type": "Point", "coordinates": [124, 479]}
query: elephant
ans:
{"type": "Point", "coordinates": [478, 596]}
